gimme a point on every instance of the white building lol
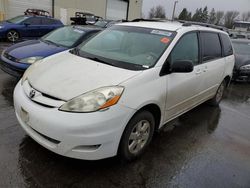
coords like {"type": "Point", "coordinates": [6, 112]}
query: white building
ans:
{"type": "Point", "coordinates": [64, 9]}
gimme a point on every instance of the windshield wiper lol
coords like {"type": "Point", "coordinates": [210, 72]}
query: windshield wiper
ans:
{"type": "Point", "coordinates": [99, 60]}
{"type": "Point", "coordinates": [75, 51]}
{"type": "Point", "coordinates": [51, 42]}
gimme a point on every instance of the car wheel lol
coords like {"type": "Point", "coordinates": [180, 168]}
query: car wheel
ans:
{"type": "Point", "coordinates": [137, 136]}
{"type": "Point", "coordinates": [12, 36]}
{"type": "Point", "coordinates": [215, 101]}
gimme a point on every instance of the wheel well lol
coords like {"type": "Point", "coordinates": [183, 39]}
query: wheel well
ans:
{"type": "Point", "coordinates": [227, 80]}
{"type": "Point", "coordinates": [156, 112]}
{"type": "Point", "coordinates": [12, 30]}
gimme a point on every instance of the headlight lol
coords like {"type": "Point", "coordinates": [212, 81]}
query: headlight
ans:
{"type": "Point", "coordinates": [1, 26]}
{"type": "Point", "coordinates": [28, 71]}
{"type": "Point", "coordinates": [31, 60]}
{"type": "Point", "coordinates": [94, 100]}
{"type": "Point", "coordinates": [245, 67]}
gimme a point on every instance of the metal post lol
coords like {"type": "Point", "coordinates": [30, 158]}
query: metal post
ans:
{"type": "Point", "coordinates": [53, 8]}
{"type": "Point", "coordinates": [174, 10]}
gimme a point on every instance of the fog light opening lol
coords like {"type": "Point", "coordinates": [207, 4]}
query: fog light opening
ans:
{"type": "Point", "coordinates": [87, 148]}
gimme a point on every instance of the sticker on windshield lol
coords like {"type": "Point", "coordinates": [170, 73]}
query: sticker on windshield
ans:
{"type": "Point", "coordinates": [165, 40]}
{"type": "Point", "coordinates": [78, 31]}
{"type": "Point", "coordinates": [159, 32]}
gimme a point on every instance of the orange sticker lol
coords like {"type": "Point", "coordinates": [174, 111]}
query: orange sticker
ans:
{"type": "Point", "coordinates": [165, 40]}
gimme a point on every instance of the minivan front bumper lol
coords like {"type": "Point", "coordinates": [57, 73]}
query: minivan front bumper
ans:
{"type": "Point", "coordinates": [89, 136]}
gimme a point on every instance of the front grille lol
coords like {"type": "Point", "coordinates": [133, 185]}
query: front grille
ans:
{"type": "Point", "coordinates": [9, 57]}
{"type": "Point", "coordinates": [50, 97]}
{"type": "Point", "coordinates": [44, 105]}
{"type": "Point", "coordinates": [41, 98]}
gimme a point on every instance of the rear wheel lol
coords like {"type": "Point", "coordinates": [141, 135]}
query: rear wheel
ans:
{"type": "Point", "coordinates": [215, 101]}
{"type": "Point", "coordinates": [12, 36]}
{"type": "Point", "coordinates": [137, 135]}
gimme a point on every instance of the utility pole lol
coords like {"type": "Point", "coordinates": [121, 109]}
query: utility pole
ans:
{"type": "Point", "coordinates": [174, 10]}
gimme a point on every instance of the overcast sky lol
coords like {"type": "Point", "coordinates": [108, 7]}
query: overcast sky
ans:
{"type": "Point", "coordinates": [191, 5]}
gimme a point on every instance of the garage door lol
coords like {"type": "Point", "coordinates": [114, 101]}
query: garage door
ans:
{"type": "Point", "coordinates": [18, 7]}
{"type": "Point", "coordinates": [116, 9]}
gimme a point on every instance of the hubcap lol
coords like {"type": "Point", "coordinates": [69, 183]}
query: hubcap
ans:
{"type": "Point", "coordinates": [220, 93]}
{"type": "Point", "coordinates": [12, 36]}
{"type": "Point", "coordinates": [139, 136]}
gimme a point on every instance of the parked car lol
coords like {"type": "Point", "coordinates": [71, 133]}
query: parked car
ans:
{"type": "Point", "coordinates": [17, 58]}
{"type": "Point", "coordinates": [27, 26]}
{"type": "Point", "coordinates": [242, 59]}
{"type": "Point", "coordinates": [84, 18]}
{"type": "Point", "coordinates": [109, 95]}
{"type": "Point", "coordinates": [36, 12]}
{"type": "Point", "coordinates": [107, 23]}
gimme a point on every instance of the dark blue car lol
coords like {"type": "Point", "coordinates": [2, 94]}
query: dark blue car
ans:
{"type": "Point", "coordinates": [17, 58]}
{"type": "Point", "coordinates": [27, 26]}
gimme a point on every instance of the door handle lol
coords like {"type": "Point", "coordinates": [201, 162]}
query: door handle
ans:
{"type": "Point", "coordinates": [198, 71]}
{"type": "Point", "coordinates": [205, 69]}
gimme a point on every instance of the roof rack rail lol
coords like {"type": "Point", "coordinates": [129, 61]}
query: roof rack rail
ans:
{"type": "Point", "coordinates": [149, 20]}
{"type": "Point", "coordinates": [189, 23]}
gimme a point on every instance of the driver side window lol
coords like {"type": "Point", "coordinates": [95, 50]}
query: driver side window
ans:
{"type": "Point", "coordinates": [187, 48]}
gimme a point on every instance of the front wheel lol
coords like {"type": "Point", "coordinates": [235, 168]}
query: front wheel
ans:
{"type": "Point", "coordinates": [12, 36]}
{"type": "Point", "coordinates": [215, 101]}
{"type": "Point", "coordinates": [137, 136]}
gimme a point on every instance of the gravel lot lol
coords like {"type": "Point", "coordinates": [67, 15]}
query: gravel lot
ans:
{"type": "Point", "coordinates": [208, 147]}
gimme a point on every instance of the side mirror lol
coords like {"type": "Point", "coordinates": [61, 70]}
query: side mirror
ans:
{"type": "Point", "coordinates": [182, 66]}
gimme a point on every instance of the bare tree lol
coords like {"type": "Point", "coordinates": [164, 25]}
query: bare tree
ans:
{"type": "Point", "coordinates": [230, 16]}
{"type": "Point", "coordinates": [157, 12]}
{"type": "Point", "coordinates": [160, 12]}
{"type": "Point", "coordinates": [245, 16]}
{"type": "Point", "coordinates": [152, 12]}
{"type": "Point", "coordinates": [219, 16]}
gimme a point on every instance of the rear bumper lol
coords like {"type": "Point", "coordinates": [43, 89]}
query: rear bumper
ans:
{"type": "Point", "coordinates": [12, 68]}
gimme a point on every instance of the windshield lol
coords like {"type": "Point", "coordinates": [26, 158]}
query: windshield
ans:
{"type": "Point", "coordinates": [65, 36]}
{"type": "Point", "coordinates": [101, 23]}
{"type": "Point", "coordinates": [17, 19]}
{"type": "Point", "coordinates": [242, 48]}
{"type": "Point", "coordinates": [127, 47]}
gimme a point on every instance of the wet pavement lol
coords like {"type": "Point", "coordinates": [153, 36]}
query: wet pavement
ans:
{"type": "Point", "coordinates": [208, 147]}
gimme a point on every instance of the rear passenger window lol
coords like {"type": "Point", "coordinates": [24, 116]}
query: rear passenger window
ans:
{"type": "Point", "coordinates": [186, 49]}
{"type": "Point", "coordinates": [33, 21]}
{"type": "Point", "coordinates": [211, 47]}
{"type": "Point", "coordinates": [227, 46]}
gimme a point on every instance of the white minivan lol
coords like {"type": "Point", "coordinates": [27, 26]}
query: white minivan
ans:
{"type": "Point", "coordinates": [109, 95]}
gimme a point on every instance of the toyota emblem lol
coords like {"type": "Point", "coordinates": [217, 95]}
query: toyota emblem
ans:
{"type": "Point", "coordinates": [32, 94]}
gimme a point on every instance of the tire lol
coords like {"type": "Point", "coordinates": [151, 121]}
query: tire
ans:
{"type": "Point", "coordinates": [137, 136]}
{"type": "Point", "coordinates": [215, 101]}
{"type": "Point", "coordinates": [12, 36]}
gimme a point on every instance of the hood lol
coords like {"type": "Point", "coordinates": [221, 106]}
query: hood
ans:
{"type": "Point", "coordinates": [33, 48]}
{"type": "Point", "coordinates": [5, 23]}
{"type": "Point", "coordinates": [241, 60]}
{"type": "Point", "coordinates": [66, 76]}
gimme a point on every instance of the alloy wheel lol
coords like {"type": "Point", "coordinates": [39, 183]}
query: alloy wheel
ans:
{"type": "Point", "coordinates": [139, 136]}
{"type": "Point", "coordinates": [220, 92]}
{"type": "Point", "coordinates": [12, 36]}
